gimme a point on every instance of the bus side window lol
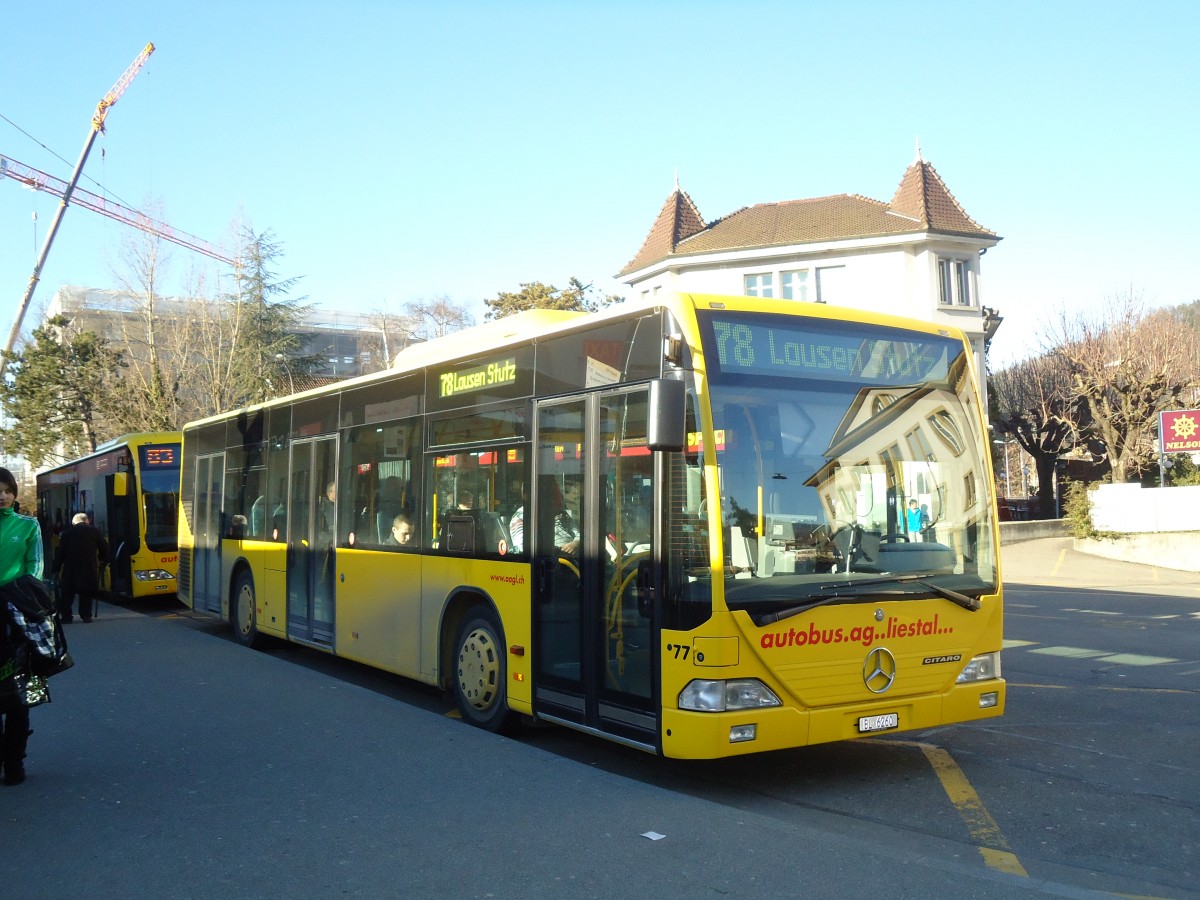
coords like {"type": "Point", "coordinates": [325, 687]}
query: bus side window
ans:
{"type": "Point", "coordinates": [258, 517]}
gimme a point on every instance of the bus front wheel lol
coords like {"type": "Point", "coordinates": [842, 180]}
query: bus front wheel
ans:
{"type": "Point", "coordinates": [479, 679]}
{"type": "Point", "coordinates": [242, 612]}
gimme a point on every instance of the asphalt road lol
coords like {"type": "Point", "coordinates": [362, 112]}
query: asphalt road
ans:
{"type": "Point", "coordinates": [174, 763]}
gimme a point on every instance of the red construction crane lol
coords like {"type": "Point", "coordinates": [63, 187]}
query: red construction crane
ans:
{"type": "Point", "coordinates": [102, 108]}
{"type": "Point", "coordinates": [40, 181]}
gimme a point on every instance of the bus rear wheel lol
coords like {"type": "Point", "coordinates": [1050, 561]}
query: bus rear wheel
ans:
{"type": "Point", "coordinates": [242, 612]}
{"type": "Point", "coordinates": [479, 674]}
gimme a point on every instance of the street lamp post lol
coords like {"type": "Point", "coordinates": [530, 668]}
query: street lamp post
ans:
{"type": "Point", "coordinates": [1007, 480]}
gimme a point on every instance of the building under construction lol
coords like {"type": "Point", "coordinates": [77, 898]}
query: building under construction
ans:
{"type": "Point", "coordinates": [345, 344]}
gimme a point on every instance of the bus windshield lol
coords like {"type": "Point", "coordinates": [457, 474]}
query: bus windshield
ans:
{"type": "Point", "coordinates": [160, 495]}
{"type": "Point", "coordinates": [848, 455]}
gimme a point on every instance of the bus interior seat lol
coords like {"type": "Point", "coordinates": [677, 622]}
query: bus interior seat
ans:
{"type": "Point", "coordinates": [459, 533]}
{"type": "Point", "coordinates": [494, 530]}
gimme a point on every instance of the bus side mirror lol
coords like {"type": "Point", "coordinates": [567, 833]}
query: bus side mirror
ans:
{"type": "Point", "coordinates": [121, 484]}
{"type": "Point", "coordinates": [667, 425]}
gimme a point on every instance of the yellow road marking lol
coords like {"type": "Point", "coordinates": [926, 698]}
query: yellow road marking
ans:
{"type": "Point", "coordinates": [1062, 554]}
{"type": "Point", "coordinates": [1050, 687]}
{"type": "Point", "coordinates": [982, 827]}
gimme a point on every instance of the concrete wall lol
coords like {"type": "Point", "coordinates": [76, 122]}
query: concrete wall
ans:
{"type": "Point", "coordinates": [1154, 526]}
{"type": "Point", "coordinates": [1176, 550]}
{"type": "Point", "coordinates": [1133, 509]}
{"type": "Point", "coordinates": [1015, 532]}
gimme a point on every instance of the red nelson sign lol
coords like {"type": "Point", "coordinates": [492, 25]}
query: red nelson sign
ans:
{"type": "Point", "coordinates": [1179, 431]}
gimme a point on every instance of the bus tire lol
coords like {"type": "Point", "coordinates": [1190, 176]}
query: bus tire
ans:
{"type": "Point", "coordinates": [242, 613]}
{"type": "Point", "coordinates": [480, 688]}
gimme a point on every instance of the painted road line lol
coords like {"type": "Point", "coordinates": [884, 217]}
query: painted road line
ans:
{"type": "Point", "coordinates": [984, 831]}
{"type": "Point", "coordinates": [1062, 554]}
{"type": "Point", "coordinates": [1070, 652]}
{"type": "Point", "coordinates": [1015, 643]}
{"type": "Point", "coordinates": [1123, 659]}
{"type": "Point", "coordinates": [1049, 687]}
{"type": "Point", "coordinates": [1135, 659]}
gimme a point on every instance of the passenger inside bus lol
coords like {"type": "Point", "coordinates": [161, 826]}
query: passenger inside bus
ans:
{"type": "Point", "coordinates": [566, 523]}
{"type": "Point", "coordinates": [402, 532]}
{"type": "Point", "coordinates": [389, 504]}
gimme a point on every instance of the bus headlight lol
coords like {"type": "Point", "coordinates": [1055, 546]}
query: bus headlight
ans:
{"type": "Point", "coordinates": [153, 575]}
{"type": "Point", "coordinates": [984, 667]}
{"type": "Point", "coordinates": [714, 695]}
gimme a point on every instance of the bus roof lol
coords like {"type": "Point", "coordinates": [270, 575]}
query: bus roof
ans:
{"type": "Point", "coordinates": [534, 324]}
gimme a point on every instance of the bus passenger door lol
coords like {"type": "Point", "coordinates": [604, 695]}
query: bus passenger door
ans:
{"type": "Point", "coordinates": [595, 625]}
{"type": "Point", "coordinates": [311, 540]}
{"type": "Point", "coordinates": [206, 551]}
{"type": "Point", "coordinates": [123, 540]}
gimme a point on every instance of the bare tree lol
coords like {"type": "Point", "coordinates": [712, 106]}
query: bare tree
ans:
{"type": "Point", "coordinates": [146, 396]}
{"type": "Point", "coordinates": [436, 318]}
{"type": "Point", "coordinates": [1034, 402]}
{"type": "Point", "coordinates": [1127, 366]}
{"type": "Point", "coordinates": [422, 320]}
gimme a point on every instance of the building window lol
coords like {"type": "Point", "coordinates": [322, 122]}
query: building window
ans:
{"type": "Point", "coordinates": [794, 284]}
{"type": "Point", "coordinates": [761, 285]}
{"type": "Point", "coordinates": [831, 284]}
{"type": "Point", "coordinates": [946, 428]}
{"type": "Point", "coordinates": [954, 283]}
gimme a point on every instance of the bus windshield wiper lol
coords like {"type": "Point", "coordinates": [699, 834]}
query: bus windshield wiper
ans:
{"type": "Point", "coordinates": [832, 593]}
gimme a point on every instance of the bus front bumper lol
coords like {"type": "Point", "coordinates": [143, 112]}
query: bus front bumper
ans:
{"type": "Point", "coordinates": [700, 735]}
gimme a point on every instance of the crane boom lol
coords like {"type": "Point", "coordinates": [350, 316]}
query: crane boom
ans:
{"type": "Point", "coordinates": [40, 181]}
{"type": "Point", "coordinates": [102, 108]}
{"type": "Point", "coordinates": [115, 92]}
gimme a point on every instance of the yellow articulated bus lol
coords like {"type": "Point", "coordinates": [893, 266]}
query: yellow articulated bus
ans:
{"type": "Point", "coordinates": [679, 525]}
{"type": "Point", "coordinates": [129, 489]}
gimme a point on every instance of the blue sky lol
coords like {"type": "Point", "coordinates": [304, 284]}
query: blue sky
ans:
{"type": "Point", "coordinates": [403, 151]}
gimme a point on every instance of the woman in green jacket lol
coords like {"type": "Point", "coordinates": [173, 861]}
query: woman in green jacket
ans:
{"type": "Point", "coordinates": [20, 554]}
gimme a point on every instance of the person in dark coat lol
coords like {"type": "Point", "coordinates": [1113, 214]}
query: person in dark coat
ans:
{"type": "Point", "coordinates": [82, 552]}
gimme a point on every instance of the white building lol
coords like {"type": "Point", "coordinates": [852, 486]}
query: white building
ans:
{"type": "Point", "coordinates": [917, 256]}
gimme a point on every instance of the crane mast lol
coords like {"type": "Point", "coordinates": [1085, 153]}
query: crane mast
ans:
{"type": "Point", "coordinates": [106, 103]}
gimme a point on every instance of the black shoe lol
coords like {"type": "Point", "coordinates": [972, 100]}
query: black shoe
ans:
{"type": "Point", "coordinates": [85, 618]}
{"type": "Point", "coordinates": [14, 773]}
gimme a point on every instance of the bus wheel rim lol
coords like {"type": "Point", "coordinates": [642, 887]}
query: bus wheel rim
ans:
{"type": "Point", "coordinates": [479, 669]}
{"type": "Point", "coordinates": [245, 611]}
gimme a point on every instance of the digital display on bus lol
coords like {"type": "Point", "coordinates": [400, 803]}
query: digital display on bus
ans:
{"type": "Point", "coordinates": [159, 456]}
{"type": "Point", "coordinates": [790, 347]}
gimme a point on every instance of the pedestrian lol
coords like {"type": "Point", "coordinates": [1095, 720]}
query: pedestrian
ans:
{"type": "Point", "coordinates": [82, 552]}
{"type": "Point", "coordinates": [20, 554]}
{"type": "Point", "coordinates": [915, 520]}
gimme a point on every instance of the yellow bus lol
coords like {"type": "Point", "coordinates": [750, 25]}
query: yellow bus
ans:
{"type": "Point", "coordinates": [129, 488]}
{"type": "Point", "coordinates": [679, 525]}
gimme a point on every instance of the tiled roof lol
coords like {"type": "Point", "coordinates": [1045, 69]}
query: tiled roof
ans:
{"type": "Point", "coordinates": [677, 220]}
{"type": "Point", "coordinates": [922, 203]}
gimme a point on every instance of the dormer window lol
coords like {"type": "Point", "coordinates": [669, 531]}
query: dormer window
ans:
{"type": "Point", "coordinates": [954, 282]}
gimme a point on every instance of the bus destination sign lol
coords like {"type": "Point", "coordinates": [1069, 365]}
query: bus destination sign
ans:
{"type": "Point", "coordinates": [476, 378]}
{"type": "Point", "coordinates": [158, 456]}
{"type": "Point", "coordinates": [762, 346]}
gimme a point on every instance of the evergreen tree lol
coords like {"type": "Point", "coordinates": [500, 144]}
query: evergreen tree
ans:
{"type": "Point", "coordinates": [59, 398]}
{"type": "Point", "coordinates": [265, 342]}
{"type": "Point", "coordinates": [536, 295]}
